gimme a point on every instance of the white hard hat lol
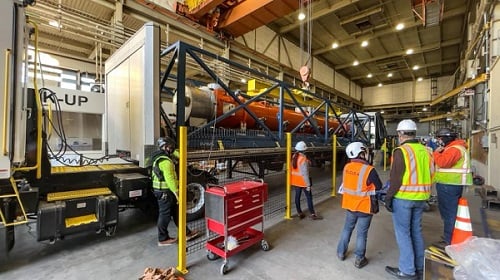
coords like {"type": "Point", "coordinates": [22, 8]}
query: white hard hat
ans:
{"type": "Point", "coordinates": [407, 125]}
{"type": "Point", "coordinates": [301, 146]}
{"type": "Point", "coordinates": [354, 149]}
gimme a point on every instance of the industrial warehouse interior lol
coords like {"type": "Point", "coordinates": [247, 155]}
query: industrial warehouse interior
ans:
{"type": "Point", "coordinates": [97, 95]}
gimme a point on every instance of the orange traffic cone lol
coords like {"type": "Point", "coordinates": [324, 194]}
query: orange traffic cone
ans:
{"type": "Point", "coordinates": [463, 226]}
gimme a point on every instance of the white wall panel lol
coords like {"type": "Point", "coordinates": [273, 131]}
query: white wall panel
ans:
{"type": "Point", "coordinates": [322, 73]}
{"type": "Point", "coordinates": [423, 90]}
{"type": "Point", "coordinates": [267, 43]}
{"type": "Point", "coordinates": [341, 83]}
{"type": "Point", "coordinates": [405, 92]}
{"type": "Point", "coordinates": [356, 91]}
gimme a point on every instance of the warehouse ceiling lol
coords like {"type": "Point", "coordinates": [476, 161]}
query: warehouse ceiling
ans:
{"type": "Point", "coordinates": [429, 44]}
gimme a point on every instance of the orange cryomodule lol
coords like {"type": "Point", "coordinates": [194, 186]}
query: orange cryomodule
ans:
{"type": "Point", "coordinates": [268, 113]}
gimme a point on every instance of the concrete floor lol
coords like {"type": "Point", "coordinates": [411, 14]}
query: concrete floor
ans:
{"type": "Point", "coordinates": [300, 249]}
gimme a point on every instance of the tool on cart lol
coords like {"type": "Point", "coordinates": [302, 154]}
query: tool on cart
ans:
{"type": "Point", "coordinates": [231, 213]}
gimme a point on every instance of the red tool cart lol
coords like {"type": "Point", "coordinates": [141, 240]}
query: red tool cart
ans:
{"type": "Point", "coordinates": [232, 211]}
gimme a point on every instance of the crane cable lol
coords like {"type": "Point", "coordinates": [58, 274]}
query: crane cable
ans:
{"type": "Point", "coordinates": [305, 64]}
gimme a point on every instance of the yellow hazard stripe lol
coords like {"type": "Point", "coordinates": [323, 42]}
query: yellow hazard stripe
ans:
{"type": "Point", "coordinates": [77, 194]}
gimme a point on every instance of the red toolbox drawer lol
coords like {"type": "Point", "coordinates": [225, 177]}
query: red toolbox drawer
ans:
{"type": "Point", "coordinates": [235, 206]}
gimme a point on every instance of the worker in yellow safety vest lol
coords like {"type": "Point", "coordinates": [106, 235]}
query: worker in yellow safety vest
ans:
{"type": "Point", "coordinates": [453, 172]}
{"type": "Point", "coordinates": [301, 180]}
{"type": "Point", "coordinates": [165, 189]}
{"type": "Point", "coordinates": [411, 176]}
{"type": "Point", "coordinates": [360, 181]}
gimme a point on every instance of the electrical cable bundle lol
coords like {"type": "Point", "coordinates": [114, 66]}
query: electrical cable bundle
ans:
{"type": "Point", "coordinates": [58, 128]}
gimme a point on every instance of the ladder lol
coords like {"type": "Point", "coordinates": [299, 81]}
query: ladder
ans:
{"type": "Point", "coordinates": [16, 196]}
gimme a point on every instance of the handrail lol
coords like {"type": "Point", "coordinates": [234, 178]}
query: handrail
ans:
{"type": "Point", "coordinates": [39, 115]}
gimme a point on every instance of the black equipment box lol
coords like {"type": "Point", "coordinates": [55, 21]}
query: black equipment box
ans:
{"type": "Point", "coordinates": [60, 218]}
{"type": "Point", "coordinates": [131, 186]}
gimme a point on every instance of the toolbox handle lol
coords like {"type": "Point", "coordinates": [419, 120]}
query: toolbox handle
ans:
{"type": "Point", "coordinates": [254, 179]}
{"type": "Point", "coordinates": [210, 185]}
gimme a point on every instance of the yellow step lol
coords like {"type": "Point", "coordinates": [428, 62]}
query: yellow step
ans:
{"type": "Point", "coordinates": [81, 220]}
{"type": "Point", "coordinates": [77, 194]}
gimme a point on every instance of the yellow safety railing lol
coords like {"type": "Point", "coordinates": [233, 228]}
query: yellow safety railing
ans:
{"type": "Point", "coordinates": [181, 228]}
{"type": "Point", "coordinates": [39, 116]}
{"type": "Point", "coordinates": [288, 202]}
{"type": "Point", "coordinates": [334, 166]}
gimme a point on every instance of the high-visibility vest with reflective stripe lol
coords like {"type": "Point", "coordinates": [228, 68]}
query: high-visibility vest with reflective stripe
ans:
{"type": "Point", "coordinates": [459, 174]}
{"type": "Point", "coordinates": [297, 179]}
{"type": "Point", "coordinates": [164, 162]}
{"type": "Point", "coordinates": [356, 193]}
{"type": "Point", "coordinates": [417, 179]}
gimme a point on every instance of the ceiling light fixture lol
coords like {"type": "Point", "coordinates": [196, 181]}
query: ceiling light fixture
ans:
{"type": "Point", "coordinates": [335, 45]}
{"type": "Point", "coordinates": [389, 75]}
{"type": "Point", "coordinates": [424, 109]}
{"type": "Point", "coordinates": [400, 26]}
{"type": "Point", "coordinates": [54, 23]}
{"type": "Point", "coordinates": [379, 84]}
{"type": "Point", "coordinates": [369, 75]}
{"type": "Point", "coordinates": [301, 16]}
{"type": "Point", "coordinates": [409, 51]}
{"type": "Point", "coordinates": [364, 43]}
{"type": "Point", "coordinates": [355, 63]}
{"type": "Point", "coordinates": [415, 67]}
{"type": "Point", "coordinates": [420, 79]}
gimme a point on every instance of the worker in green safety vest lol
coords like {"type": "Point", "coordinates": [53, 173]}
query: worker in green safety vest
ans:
{"type": "Point", "coordinates": [411, 176]}
{"type": "Point", "coordinates": [166, 189]}
{"type": "Point", "coordinates": [453, 172]}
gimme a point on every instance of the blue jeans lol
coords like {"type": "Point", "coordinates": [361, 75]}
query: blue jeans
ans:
{"type": "Point", "coordinates": [407, 219]}
{"type": "Point", "coordinates": [351, 219]}
{"type": "Point", "coordinates": [310, 205]}
{"type": "Point", "coordinates": [448, 196]}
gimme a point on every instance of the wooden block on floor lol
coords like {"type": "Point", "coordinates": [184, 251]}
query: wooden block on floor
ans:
{"type": "Point", "coordinates": [435, 269]}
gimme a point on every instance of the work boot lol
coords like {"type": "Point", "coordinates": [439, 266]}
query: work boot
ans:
{"type": "Point", "coordinates": [440, 244]}
{"type": "Point", "coordinates": [341, 256]}
{"type": "Point", "coordinates": [359, 263]}
{"type": "Point", "coordinates": [169, 241]}
{"type": "Point", "coordinates": [316, 217]}
{"type": "Point", "coordinates": [400, 275]}
{"type": "Point", "coordinates": [301, 215]}
{"type": "Point", "coordinates": [420, 274]}
{"type": "Point", "coordinates": [192, 235]}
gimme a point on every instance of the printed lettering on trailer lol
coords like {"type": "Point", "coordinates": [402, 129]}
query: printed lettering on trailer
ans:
{"type": "Point", "coordinates": [77, 101]}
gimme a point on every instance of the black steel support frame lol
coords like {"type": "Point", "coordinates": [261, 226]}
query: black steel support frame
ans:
{"type": "Point", "coordinates": [350, 128]}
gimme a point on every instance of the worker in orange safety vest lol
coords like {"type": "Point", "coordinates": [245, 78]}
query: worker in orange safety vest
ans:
{"type": "Point", "coordinates": [360, 182]}
{"type": "Point", "coordinates": [301, 180]}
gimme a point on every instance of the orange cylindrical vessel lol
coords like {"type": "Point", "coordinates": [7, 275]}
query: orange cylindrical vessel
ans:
{"type": "Point", "coordinates": [266, 112]}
